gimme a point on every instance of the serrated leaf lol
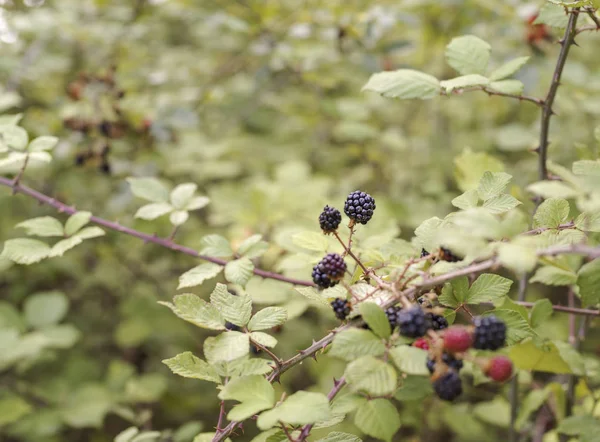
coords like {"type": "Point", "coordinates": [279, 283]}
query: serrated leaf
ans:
{"type": "Point", "coordinates": [414, 388]}
{"type": "Point", "coordinates": [76, 222]}
{"type": "Point", "coordinates": [467, 200]}
{"type": "Point", "coordinates": [552, 15]}
{"type": "Point", "coordinates": [353, 343]}
{"type": "Point", "coordinates": [516, 257]}
{"type": "Point", "coordinates": [468, 54]}
{"type": "Point", "coordinates": [488, 288]}
{"type": "Point", "coordinates": [551, 213]}
{"type": "Point", "coordinates": [552, 189]}
{"type": "Point", "coordinates": [247, 367]}
{"type": "Point", "coordinates": [226, 347]}
{"type": "Point", "coordinates": [405, 84]}
{"type": "Point", "coordinates": [199, 274]}
{"type": "Point", "coordinates": [253, 247]}
{"type": "Point", "coordinates": [43, 143]}
{"type": "Point", "coordinates": [25, 251]}
{"type": "Point", "coordinates": [588, 281]}
{"type": "Point", "coordinates": [191, 308]}
{"type": "Point", "coordinates": [189, 366]}
{"type": "Point", "coordinates": [540, 313]}
{"type": "Point", "coordinates": [14, 137]}
{"type": "Point", "coordinates": [572, 357]}
{"type": "Point", "coordinates": [263, 339]}
{"type": "Point", "coordinates": [509, 68]}
{"type": "Point", "coordinates": [312, 241]}
{"type": "Point", "coordinates": [454, 293]}
{"type": "Point", "coordinates": [44, 309]}
{"type": "Point", "coordinates": [234, 308]}
{"type": "Point", "coordinates": [149, 189]}
{"type": "Point", "coordinates": [61, 247]}
{"type": "Point", "coordinates": [464, 81]}
{"type": "Point", "coordinates": [501, 203]}
{"type": "Point", "coordinates": [239, 271]}
{"type": "Point", "coordinates": [492, 184]}
{"type": "Point", "coordinates": [376, 318]}
{"type": "Point", "coordinates": [512, 87]}
{"type": "Point", "coordinates": [495, 412]}
{"type": "Point", "coordinates": [300, 408]}
{"type": "Point", "coordinates": [178, 217]}
{"type": "Point", "coordinates": [371, 375]}
{"type": "Point", "coordinates": [378, 418]}
{"type": "Point", "coordinates": [551, 275]}
{"type": "Point", "coordinates": [518, 328]}
{"type": "Point", "coordinates": [267, 318]}
{"type": "Point", "coordinates": [426, 233]}
{"type": "Point", "coordinates": [153, 211]}
{"type": "Point", "coordinates": [89, 233]}
{"type": "Point", "coordinates": [254, 393]}
{"type": "Point", "coordinates": [182, 195]}
{"type": "Point", "coordinates": [336, 436]}
{"type": "Point", "coordinates": [588, 222]}
{"type": "Point", "coordinates": [43, 226]}
{"type": "Point", "coordinates": [312, 294]}
{"type": "Point", "coordinates": [410, 360]}
{"type": "Point", "coordinates": [216, 245]}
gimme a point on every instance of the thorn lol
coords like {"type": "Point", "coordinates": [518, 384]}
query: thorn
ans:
{"type": "Point", "coordinates": [536, 150]}
{"type": "Point", "coordinates": [575, 43]}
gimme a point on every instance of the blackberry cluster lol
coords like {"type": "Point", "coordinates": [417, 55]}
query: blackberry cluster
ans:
{"type": "Point", "coordinates": [341, 308]}
{"type": "Point", "coordinates": [413, 323]}
{"type": "Point", "coordinates": [437, 322]}
{"type": "Point", "coordinates": [490, 333]}
{"type": "Point", "coordinates": [449, 386]}
{"type": "Point", "coordinates": [449, 360]}
{"type": "Point", "coordinates": [359, 206]}
{"type": "Point", "coordinates": [447, 255]}
{"type": "Point", "coordinates": [329, 270]}
{"type": "Point", "coordinates": [392, 316]}
{"type": "Point", "coordinates": [329, 219]}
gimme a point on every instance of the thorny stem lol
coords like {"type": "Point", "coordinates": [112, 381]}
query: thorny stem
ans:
{"type": "Point", "coordinates": [285, 430]}
{"type": "Point", "coordinates": [348, 251]}
{"type": "Point", "coordinates": [221, 415]}
{"type": "Point", "coordinates": [337, 386]}
{"type": "Point", "coordinates": [273, 356]}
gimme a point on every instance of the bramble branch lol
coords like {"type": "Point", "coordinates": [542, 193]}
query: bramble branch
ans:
{"type": "Point", "coordinates": [337, 386]}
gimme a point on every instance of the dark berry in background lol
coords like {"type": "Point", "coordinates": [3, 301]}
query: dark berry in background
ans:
{"type": "Point", "coordinates": [329, 270]}
{"type": "Point", "coordinates": [341, 308]}
{"type": "Point", "coordinates": [437, 322]}
{"type": "Point", "coordinates": [447, 255]}
{"type": "Point", "coordinates": [392, 315]}
{"type": "Point", "coordinates": [490, 333]}
{"type": "Point", "coordinates": [330, 219]}
{"type": "Point", "coordinates": [359, 206]}
{"type": "Point", "coordinates": [413, 322]}
{"type": "Point", "coordinates": [449, 386]}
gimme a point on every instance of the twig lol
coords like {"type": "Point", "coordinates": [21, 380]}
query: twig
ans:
{"type": "Point", "coordinates": [273, 356]}
{"type": "Point", "coordinates": [337, 386]}
{"type": "Point", "coordinates": [590, 12]}
{"type": "Point", "coordinates": [348, 251]}
{"type": "Point", "coordinates": [285, 430]}
{"type": "Point", "coordinates": [565, 309]}
{"type": "Point", "coordinates": [163, 242]}
{"type": "Point", "coordinates": [15, 182]}
{"type": "Point", "coordinates": [221, 415]}
{"type": "Point", "coordinates": [536, 101]}
{"type": "Point", "coordinates": [547, 111]}
{"type": "Point", "coordinates": [565, 226]}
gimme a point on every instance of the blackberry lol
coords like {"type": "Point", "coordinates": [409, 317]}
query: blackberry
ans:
{"type": "Point", "coordinates": [105, 168]}
{"type": "Point", "coordinates": [329, 270]}
{"type": "Point", "coordinates": [424, 253]}
{"type": "Point", "coordinates": [490, 333]}
{"type": "Point", "coordinates": [413, 322]}
{"type": "Point", "coordinates": [424, 301]}
{"type": "Point", "coordinates": [329, 219]}
{"type": "Point", "coordinates": [392, 315]}
{"type": "Point", "coordinates": [341, 308]}
{"type": "Point", "coordinates": [359, 207]}
{"type": "Point", "coordinates": [452, 362]}
{"type": "Point", "coordinates": [232, 327]}
{"type": "Point", "coordinates": [430, 365]}
{"type": "Point", "coordinates": [447, 255]}
{"type": "Point", "coordinates": [449, 386]}
{"type": "Point", "coordinates": [437, 322]}
{"type": "Point", "coordinates": [254, 349]}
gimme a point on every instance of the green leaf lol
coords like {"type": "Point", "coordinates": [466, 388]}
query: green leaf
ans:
{"type": "Point", "coordinates": [414, 388]}
{"type": "Point", "coordinates": [43, 143]}
{"type": "Point", "coordinates": [127, 435]}
{"type": "Point", "coordinates": [527, 356]}
{"type": "Point", "coordinates": [14, 137]}
{"type": "Point", "coordinates": [89, 233]}
{"type": "Point", "coordinates": [552, 189]}
{"type": "Point", "coordinates": [153, 211]}
{"type": "Point", "coordinates": [468, 54]}
{"type": "Point", "coordinates": [76, 222]}
{"type": "Point", "coordinates": [586, 167]}
{"type": "Point", "coordinates": [216, 245]}
{"type": "Point", "coordinates": [253, 247]}
{"type": "Point", "coordinates": [540, 313]}
{"type": "Point", "coordinates": [44, 157]}
{"type": "Point", "coordinates": [196, 203]}
{"type": "Point", "coordinates": [182, 195]}
{"type": "Point", "coordinates": [579, 425]}
{"type": "Point", "coordinates": [530, 404]}
{"type": "Point", "coordinates": [378, 418]}
{"type": "Point", "coordinates": [588, 222]}
{"type": "Point", "coordinates": [509, 68]}
{"type": "Point", "coordinates": [410, 360]}
{"type": "Point", "coordinates": [312, 294]}
{"type": "Point", "coordinates": [300, 408]}
{"type": "Point", "coordinates": [551, 275]}
{"type": "Point", "coordinates": [87, 406]}
{"type": "Point", "coordinates": [263, 339]}
{"type": "Point", "coordinates": [226, 347]}
{"type": "Point", "coordinates": [13, 160]}
{"type": "Point", "coordinates": [312, 241]}
{"type": "Point", "coordinates": [239, 271]}
{"type": "Point", "coordinates": [25, 251]}
{"type": "Point", "coordinates": [247, 367]}
{"type": "Point", "coordinates": [353, 343]}
{"type": "Point", "coordinates": [191, 308]}
{"type": "Point", "coordinates": [455, 292]}
{"type": "Point", "coordinates": [268, 318]}
{"type": "Point", "coordinates": [551, 213]}
{"type": "Point", "coordinates": [65, 245]}
{"type": "Point", "coordinates": [346, 403]}
{"type": "Point", "coordinates": [178, 217]}
{"type": "Point", "coordinates": [42, 226]}
{"type": "Point", "coordinates": [572, 357]}
{"type": "Point", "coordinates": [467, 200]}
{"type": "Point", "coordinates": [588, 280]}
{"type": "Point", "coordinates": [426, 233]}
{"type": "Point", "coordinates": [464, 81]}
{"type": "Point", "coordinates": [501, 203]}
{"type": "Point", "coordinates": [376, 319]}
{"type": "Point", "coordinates": [372, 376]}
{"type": "Point", "coordinates": [44, 309]}
{"type": "Point", "coordinates": [405, 84]}
{"type": "Point", "coordinates": [235, 309]}
{"type": "Point", "coordinates": [492, 184]}
{"type": "Point", "coordinates": [149, 189]}
{"type": "Point", "coordinates": [189, 366]}
{"type": "Point", "coordinates": [254, 393]}
{"type": "Point", "coordinates": [552, 15]}
{"type": "Point", "coordinates": [518, 328]}
{"type": "Point", "coordinates": [517, 257]}
{"type": "Point", "coordinates": [496, 412]}
{"type": "Point", "coordinates": [336, 436]}
{"type": "Point", "coordinates": [488, 288]}
{"type": "Point", "coordinates": [13, 408]}
{"type": "Point", "coordinates": [199, 274]}
{"type": "Point", "coordinates": [512, 87]}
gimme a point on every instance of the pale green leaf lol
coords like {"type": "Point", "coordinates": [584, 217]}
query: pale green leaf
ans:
{"type": "Point", "coordinates": [127, 435]}
{"type": "Point", "coordinates": [455, 292]}
{"type": "Point", "coordinates": [254, 393]}
{"type": "Point", "coordinates": [182, 195]}
{"type": "Point", "coordinates": [492, 184]}
{"type": "Point", "coordinates": [14, 137]}
{"type": "Point", "coordinates": [586, 167]}
{"type": "Point", "coordinates": [528, 356]}
{"type": "Point", "coordinates": [199, 274]}
{"type": "Point", "coordinates": [414, 388]}
{"type": "Point", "coordinates": [25, 251]}
{"type": "Point", "coordinates": [13, 408]}
{"type": "Point", "coordinates": [509, 68]}
{"type": "Point", "coordinates": [518, 328]}
{"type": "Point", "coordinates": [512, 87]}
{"type": "Point", "coordinates": [247, 367]}
{"type": "Point", "coordinates": [239, 271]}
{"type": "Point", "coordinates": [178, 217]}
{"type": "Point", "coordinates": [12, 160]}
{"type": "Point", "coordinates": [312, 294]}
{"type": "Point", "coordinates": [376, 319]}
{"type": "Point", "coordinates": [191, 308]}
{"type": "Point", "coordinates": [43, 157]}
{"type": "Point", "coordinates": [378, 418]}
{"type": "Point", "coordinates": [370, 375]}
{"type": "Point", "coordinates": [43, 143]}
{"type": "Point", "coordinates": [196, 203]}
{"type": "Point", "coordinates": [579, 425]}
{"type": "Point", "coordinates": [216, 245]}
{"type": "Point", "coordinates": [551, 213]}
{"type": "Point", "coordinates": [268, 318]}
{"type": "Point", "coordinates": [488, 288]}
{"type": "Point", "coordinates": [540, 313]}
{"type": "Point", "coordinates": [336, 436]}
{"type": "Point", "coordinates": [253, 247]}
{"type": "Point", "coordinates": [588, 281]}
{"type": "Point", "coordinates": [153, 211]}
{"type": "Point", "coordinates": [65, 245]}
{"type": "Point", "coordinates": [517, 257]}
{"type": "Point", "coordinates": [405, 84]}
{"type": "Point", "coordinates": [530, 404]}
{"type": "Point", "coordinates": [464, 81]}
{"type": "Point", "coordinates": [552, 189]}
{"type": "Point", "coordinates": [501, 203]}
{"type": "Point", "coordinates": [149, 189]}
{"type": "Point", "coordinates": [300, 408]}
{"type": "Point", "coordinates": [572, 357]}
{"type": "Point", "coordinates": [89, 233]}
{"type": "Point", "coordinates": [551, 275]}
{"type": "Point", "coordinates": [226, 347]}
{"type": "Point", "coordinates": [468, 54]}
{"type": "Point", "coordinates": [234, 308]}
{"type": "Point", "coordinates": [44, 309]}
{"type": "Point", "coordinates": [410, 360]}
{"type": "Point", "coordinates": [467, 200]}
{"type": "Point", "coordinates": [588, 222]}
{"type": "Point", "coordinates": [76, 222]}
{"type": "Point", "coordinates": [189, 366]}
{"type": "Point", "coordinates": [263, 339]}
{"type": "Point", "coordinates": [87, 406]}
{"type": "Point", "coordinates": [42, 226]}
{"type": "Point", "coordinates": [353, 343]}
{"type": "Point", "coordinates": [312, 241]}
{"type": "Point", "coordinates": [426, 233]}
{"type": "Point", "coordinates": [552, 15]}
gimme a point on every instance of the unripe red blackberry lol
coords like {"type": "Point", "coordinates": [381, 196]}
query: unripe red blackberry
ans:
{"type": "Point", "coordinates": [413, 322]}
{"type": "Point", "coordinates": [438, 322]}
{"type": "Point", "coordinates": [329, 270]}
{"type": "Point", "coordinates": [499, 368]}
{"type": "Point", "coordinates": [330, 219]}
{"type": "Point", "coordinates": [359, 207]}
{"type": "Point", "coordinates": [490, 333]}
{"type": "Point", "coordinates": [421, 343]}
{"type": "Point", "coordinates": [341, 308]}
{"type": "Point", "coordinates": [457, 339]}
{"type": "Point", "coordinates": [448, 386]}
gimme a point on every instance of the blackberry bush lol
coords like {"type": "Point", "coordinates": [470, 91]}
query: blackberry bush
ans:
{"type": "Point", "coordinates": [490, 333]}
{"type": "Point", "coordinates": [359, 207]}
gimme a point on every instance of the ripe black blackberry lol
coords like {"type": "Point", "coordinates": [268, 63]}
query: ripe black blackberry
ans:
{"type": "Point", "coordinates": [413, 322]}
{"type": "Point", "coordinates": [329, 219]}
{"type": "Point", "coordinates": [329, 270]}
{"type": "Point", "coordinates": [449, 386]}
{"type": "Point", "coordinates": [490, 333]}
{"type": "Point", "coordinates": [392, 315]}
{"type": "Point", "coordinates": [341, 308]}
{"type": "Point", "coordinates": [231, 326]}
{"type": "Point", "coordinates": [438, 322]}
{"type": "Point", "coordinates": [359, 207]}
{"type": "Point", "coordinates": [424, 253]}
{"type": "Point", "coordinates": [431, 365]}
{"type": "Point", "coordinates": [447, 255]}
{"type": "Point", "coordinates": [452, 362]}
